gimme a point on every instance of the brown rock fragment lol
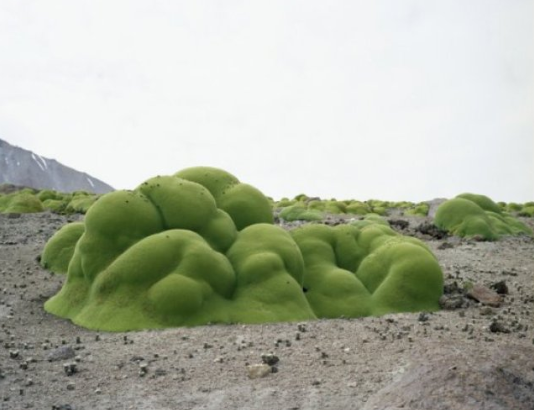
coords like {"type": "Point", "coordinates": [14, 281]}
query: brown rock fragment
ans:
{"type": "Point", "coordinates": [255, 371]}
{"type": "Point", "coordinates": [485, 296]}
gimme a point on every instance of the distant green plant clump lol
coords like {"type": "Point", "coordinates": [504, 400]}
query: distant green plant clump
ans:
{"type": "Point", "coordinates": [32, 201]}
{"type": "Point", "coordinates": [20, 202]}
{"type": "Point", "coordinates": [300, 212]}
{"type": "Point", "coordinates": [471, 215]}
{"type": "Point", "coordinates": [200, 247]}
{"type": "Point", "coordinates": [418, 210]}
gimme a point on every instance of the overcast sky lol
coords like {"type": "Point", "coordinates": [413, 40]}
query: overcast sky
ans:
{"type": "Point", "coordinates": [397, 100]}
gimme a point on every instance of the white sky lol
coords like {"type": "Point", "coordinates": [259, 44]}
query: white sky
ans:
{"type": "Point", "coordinates": [397, 100]}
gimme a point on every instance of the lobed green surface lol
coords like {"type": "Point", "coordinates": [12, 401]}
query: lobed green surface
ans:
{"type": "Point", "coordinates": [200, 247]}
{"type": "Point", "coordinates": [470, 215]}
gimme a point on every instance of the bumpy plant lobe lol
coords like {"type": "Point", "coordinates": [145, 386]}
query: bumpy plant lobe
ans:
{"type": "Point", "coordinates": [367, 269]}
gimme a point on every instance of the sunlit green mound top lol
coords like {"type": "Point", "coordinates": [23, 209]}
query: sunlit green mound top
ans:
{"type": "Point", "coordinates": [471, 215]}
{"type": "Point", "coordinates": [200, 247]}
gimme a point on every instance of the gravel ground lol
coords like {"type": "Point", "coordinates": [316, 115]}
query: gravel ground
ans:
{"type": "Point", "coordinates": [472, 355]}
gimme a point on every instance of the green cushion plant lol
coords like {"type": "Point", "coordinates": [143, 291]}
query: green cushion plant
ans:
{"type": "Point", "coordinates": [20, 202]}
{"type": "Point", "coordinates": [300, 212]}
{"type": "Point", "coordinates": [527, 211]}
{"type": "Point", "coordinates": [200, 247]}
{"type": "Point", "coordinates": [470, 215]}
{"type": "Point", "coordinates": [418, 210]}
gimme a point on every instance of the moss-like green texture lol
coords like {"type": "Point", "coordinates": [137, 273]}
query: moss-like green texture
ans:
{"type": "Point", "coordinates": [470, 215]}
{"type": "Point", "coordinates": [300, 212]}
{"type": "Point", "coordinates": [244, 203]}
{"type": "Point", "coordinates": [81, 202]}
{"type": "Point", "coordinates": [527, 211]}
{"type": "Point", "coordinates": [418, 210]}
{"type": "Point", "coordinates": [20, 202]}
{"type": "Point", "coordinates": [60, 247]}
{"type": "Point", "coordinates": [199, 247]}
{"type": "Point", "coordinates": [366, 270]}
{"type": "Point", "coordinates": [32, 201]}
{"type": "Point", "coordinates": [370, 219]}
{"type": "Point", "coordinates": [170, 254]}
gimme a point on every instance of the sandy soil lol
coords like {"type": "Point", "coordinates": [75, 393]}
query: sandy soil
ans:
{"type": "Point", "coordinates": [472, 356]}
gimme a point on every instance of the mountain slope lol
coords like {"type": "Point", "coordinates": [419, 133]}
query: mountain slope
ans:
{"type": "Point", "coordinates": [22, 167]}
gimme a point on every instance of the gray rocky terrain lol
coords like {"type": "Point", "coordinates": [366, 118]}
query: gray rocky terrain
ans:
{"type": "Point", "coordinates": [25, 168]}
{"type": "Point", "coordinates": [476, 353]}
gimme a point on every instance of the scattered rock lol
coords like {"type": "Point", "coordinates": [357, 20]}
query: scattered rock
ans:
{"type": "Point", "coordinates": [500, 287]}
{"type": "Point", "coordinates": [270, 359]}
{"type": "Point", "coordinates": [160, 372]}
{"type": "Point", "coordinates": [256, 371]}
{"type": "Point", "coordinates": [143, 369]}
{"type": "Point", "coordinates": [70, 368]}
{"type": "Point", "coordinates": [498, 327]}
{"type": "Point", "coordinates": [431, 230]}
{"type": "Point", "coordinates": [61, 353]}
{"type": "Point", "coordinates": [446, 245]}
{"type": "Point", "coordinates": [137, 359]}
{"type": "Point", "coordinates": [399, 223]}
{"type": "Point", "coordinates": [452, 288]}
{"type": "Point", "coordinates": [485, 295]}
{"type": "Point", "coordinates": [423, 317]}
{"type": "Point", "coordinates": [486, 311]}
{"type": "Point", "coordinates": [451, 302]}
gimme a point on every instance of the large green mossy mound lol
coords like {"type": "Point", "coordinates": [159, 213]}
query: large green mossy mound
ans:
{"type": "Point", "coordinates": [200, 247]}
{"type": "Point", "coordinates": [471, 215]}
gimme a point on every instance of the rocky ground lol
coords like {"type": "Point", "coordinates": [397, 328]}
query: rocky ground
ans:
{"type": "Point", "coordinates": [478, 353]}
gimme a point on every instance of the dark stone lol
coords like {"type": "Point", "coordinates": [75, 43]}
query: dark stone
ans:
{"type": "Point", "coordinates": [498, 327]}
{"type": "Point", "coordinates": [500, 287]}
{"type": "Point", "coordinates": [399, 223]}
{"type": "Point", "coordinates": [452, 302]}
{"type": "Point", "coordinates": [61, 353]}
{"type": "Point", "coordinates": [431, 230]}
{"type": "Point", "coordinates": [423, 317]}
{"type": "Point", "coordinates": [270, 359]}
{"type": "Point", "coordinates": [445, 245]}
{"type": "Point", "coordinates": [452, 288]}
